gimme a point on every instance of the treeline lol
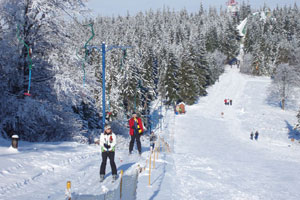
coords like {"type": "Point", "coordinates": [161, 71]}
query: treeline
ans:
{"type": "Point", "coordinates": [272, 48]}
{"type": "Point", "coordinates": [172, 55]}
{"type": "Point", "coordinates": [272, 38]}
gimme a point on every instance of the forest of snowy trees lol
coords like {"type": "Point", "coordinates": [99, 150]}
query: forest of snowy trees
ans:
{"type": "Point", "coordinates": [171, 55]}
{"type": "Point", "coordinates": [272, 48]}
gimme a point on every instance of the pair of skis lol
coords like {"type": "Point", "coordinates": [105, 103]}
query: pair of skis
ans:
{"type": "Point", "coordinates": [114, 178]}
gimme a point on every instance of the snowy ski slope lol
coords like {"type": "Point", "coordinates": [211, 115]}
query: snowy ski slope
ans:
{"type": "Point", "coordinates": [211, 157]}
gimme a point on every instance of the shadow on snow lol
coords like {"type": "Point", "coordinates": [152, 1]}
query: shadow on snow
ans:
{"type": "Point", "coordinates": [292, 132]}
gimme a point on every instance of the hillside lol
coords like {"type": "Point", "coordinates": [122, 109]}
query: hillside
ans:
{"type": "Point", "coordinates": [211, 156]}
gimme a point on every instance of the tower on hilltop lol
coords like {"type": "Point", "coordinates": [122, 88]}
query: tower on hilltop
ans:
{"type": "Point", "coordinates": [232, 7]}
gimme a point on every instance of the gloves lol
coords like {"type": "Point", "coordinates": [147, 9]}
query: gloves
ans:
{"type": "Point", "coordinates": [106, 146]}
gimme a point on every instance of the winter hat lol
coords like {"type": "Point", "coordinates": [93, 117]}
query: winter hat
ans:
{"type": "Point", "coordinates": [107, 127]}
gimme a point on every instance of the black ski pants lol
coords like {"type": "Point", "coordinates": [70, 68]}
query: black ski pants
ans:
{"type": "Point", "coordinates": [136, 137]}
{"type": "Point", "coordinates": [111, 156]}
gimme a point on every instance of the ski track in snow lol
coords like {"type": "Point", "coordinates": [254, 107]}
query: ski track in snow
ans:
{"type": "Point", "coordinates": [38, 171]}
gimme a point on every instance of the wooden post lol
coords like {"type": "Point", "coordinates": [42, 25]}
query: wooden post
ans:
{"type": "Point", "coordinates": [282, 104]}
{"type": "Point", "coordinates": [121, 184]}
{"type": "Point", "coordinates": [153, 159]}
{"type": "Point", "coordinates": [150, 170]}
{"type": "Point", "coordinates": [14, 141]}
{"type": "Point", "coordinates": [159, 144]}
{"type": "Point", "coordinates": [293, 139]}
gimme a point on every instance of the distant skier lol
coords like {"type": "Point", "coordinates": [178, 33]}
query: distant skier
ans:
{"type": "Point", "coordinates": [256, 135]}
{"type": "Point", "coordinates": [153, 139]}
{"type": "Point", "coordinates": [177, 109]}
{"type": "Point", "coordinates": [225, 101]}
{"type": "Point", "coordinates": [107, 143]}
{"type": "Point", "coordinates": [251, 135]}
{"type": "Point", "coordinates": [230, 102]}
{"type": "Point", "coordinates": [136, 130]}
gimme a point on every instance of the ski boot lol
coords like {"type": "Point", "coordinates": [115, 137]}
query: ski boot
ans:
{"type": "Point", "coordinates": [114, 178]}
{"type": "Point", "coordinates": [101, 177]}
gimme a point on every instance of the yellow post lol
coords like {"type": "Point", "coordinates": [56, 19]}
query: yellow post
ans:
{"type": "Point", "coordinates": [156, 153]}
{"type": "Point", "coordinates": [150, 170]}
{"type": "Point", "coordinates": [69, 190]}
{"type": "Point", "coordinates": [121, 183]}
{"type": "Point", "coordinates": [68, 185]}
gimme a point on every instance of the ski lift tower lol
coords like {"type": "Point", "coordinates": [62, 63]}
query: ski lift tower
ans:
{"type": "Point", "coordinates": [232, 7]}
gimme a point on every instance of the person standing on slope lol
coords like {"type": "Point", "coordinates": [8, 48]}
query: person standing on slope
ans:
{"type": "Point", "coordinates": [256, 135]}
{"type": "Point", "coordinates": [251, 135]}
{"type": "Point", "coordinates": [107, 143]}
{"type": "Point", "coordinates": [136, 130]}
{"type": "Point", "coordinates": [153, 139]}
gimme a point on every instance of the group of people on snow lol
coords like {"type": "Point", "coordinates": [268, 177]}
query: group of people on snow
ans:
{"type": "Point", "coordinates": [234, 61]}
{"type": "Point", "coordinates": [254, 135]}
{"type": "Point", "coordinates": [228, 102]}
{"type": "Point", "coordinates": [179, 108]}
{"type": "Point", "coordinates": [108, 143]}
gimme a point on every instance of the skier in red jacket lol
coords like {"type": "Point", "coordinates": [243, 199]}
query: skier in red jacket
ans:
{"type": "Point", "coordinates": [136, 130]}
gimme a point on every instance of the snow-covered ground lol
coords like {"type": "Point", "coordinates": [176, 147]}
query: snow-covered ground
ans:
{"type": "Point", "coordinates": [41, 171]}
{"type": "Point", "coordinates": [211, 156]}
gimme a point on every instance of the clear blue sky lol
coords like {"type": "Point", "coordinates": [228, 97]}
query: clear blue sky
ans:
{"type": "Point", "coordinates": [120, 7]}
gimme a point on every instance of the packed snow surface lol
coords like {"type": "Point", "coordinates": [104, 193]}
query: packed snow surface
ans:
{"type": "Point", "coordinates": [212, 156]}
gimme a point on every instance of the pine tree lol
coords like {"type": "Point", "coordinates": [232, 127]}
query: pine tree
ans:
{"type": "Point", "coordinates": [170, 80]}
{"type": "Point", "coordinates": [188, 89]}
{"type": "Point", "coordinates": [230, 41]}
{"type": "Point", "coordinates": [201, 65]}
{"type": "Point", "coordinates": [245, 10]}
